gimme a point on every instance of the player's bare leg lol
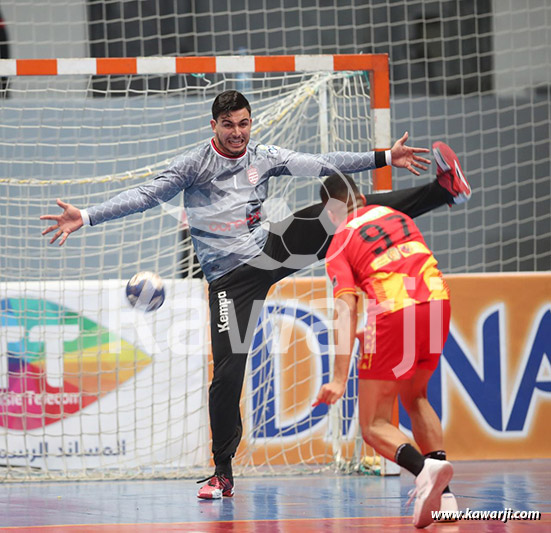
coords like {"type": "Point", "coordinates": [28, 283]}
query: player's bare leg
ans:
{"type": "Point", "coordinates": [376, 404]}
{"type": "Point", "coordinates": [426, 426]}
{"type": "Point", "coordinates": [376, 401]}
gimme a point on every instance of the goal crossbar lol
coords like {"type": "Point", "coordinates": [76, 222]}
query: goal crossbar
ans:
{"type": "Point", "coordinates": [375, 64]}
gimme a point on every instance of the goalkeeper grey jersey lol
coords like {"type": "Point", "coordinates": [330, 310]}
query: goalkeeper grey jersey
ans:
{"type": "Point", "coordinates": [223, 196]}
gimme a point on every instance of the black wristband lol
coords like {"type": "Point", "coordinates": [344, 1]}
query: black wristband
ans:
{"type": "Point", "coordinates": [380, 159]}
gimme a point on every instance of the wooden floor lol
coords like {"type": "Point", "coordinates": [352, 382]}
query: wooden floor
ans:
{"type": "Point", "coordinates": [321, 503]}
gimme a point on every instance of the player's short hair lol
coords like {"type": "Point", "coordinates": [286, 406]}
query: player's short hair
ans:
{"type": "Point", "coordinates": [339, 186]}
{"type": "Point", "coordinates": [227, 102]}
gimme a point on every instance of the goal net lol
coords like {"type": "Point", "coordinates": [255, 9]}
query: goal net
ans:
{"type": "Point", "coordinates": [90, 388]}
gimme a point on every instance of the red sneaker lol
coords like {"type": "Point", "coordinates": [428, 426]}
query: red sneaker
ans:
{"type": "Point", "coordinates": [217, 486]}
{"type": "Point", "coordinates": [449, 173]}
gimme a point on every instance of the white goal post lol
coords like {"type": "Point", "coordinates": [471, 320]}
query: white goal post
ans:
{"type": "Point", "coordinates": [91, 389]}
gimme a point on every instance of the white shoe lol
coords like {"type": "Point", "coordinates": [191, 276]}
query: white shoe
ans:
{"type": "Point", "coordinates": [448, 503]}
{"type": "Point", "coordinates": [429, 484]}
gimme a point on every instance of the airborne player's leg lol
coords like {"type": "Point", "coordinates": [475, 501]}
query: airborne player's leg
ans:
{"type": "Point", "coordinates": [308, 232]}
{"type": "Point", "coordinates": [304, 237]}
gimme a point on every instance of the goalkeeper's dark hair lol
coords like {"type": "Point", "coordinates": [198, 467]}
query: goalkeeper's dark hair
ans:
{"type": "Point", "coordinates": [227, 102]}
{"type": "Point", "coordinates": [340, 187]}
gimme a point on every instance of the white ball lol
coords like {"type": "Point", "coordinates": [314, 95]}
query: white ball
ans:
{"type": "Point", "coordinates": [145, 291]}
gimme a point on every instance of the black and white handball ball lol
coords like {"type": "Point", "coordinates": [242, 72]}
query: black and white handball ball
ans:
{"type": "Point", "coordinates": [145, 291]}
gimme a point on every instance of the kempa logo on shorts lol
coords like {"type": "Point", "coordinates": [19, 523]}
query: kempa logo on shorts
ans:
{"type": "Point", "coordinates": [224, 312]}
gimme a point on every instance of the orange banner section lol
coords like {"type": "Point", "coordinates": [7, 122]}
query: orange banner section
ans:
{"type": "Point", "coordinates": [492, 388]}
{"type": "Point", "coordinates": [279, 439]}
{"type": "Point", "coordinates": [496, 382]}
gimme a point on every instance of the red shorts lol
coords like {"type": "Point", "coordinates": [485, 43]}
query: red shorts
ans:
{"type": "Point", "coordinates": [401, 342]}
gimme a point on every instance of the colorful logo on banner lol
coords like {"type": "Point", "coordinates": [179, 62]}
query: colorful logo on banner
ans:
{"type": "Point", "coordinates": [58, 362]}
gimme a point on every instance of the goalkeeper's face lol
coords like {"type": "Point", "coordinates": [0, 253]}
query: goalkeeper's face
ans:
{"type": "Point", "coordinates": [232, 132]}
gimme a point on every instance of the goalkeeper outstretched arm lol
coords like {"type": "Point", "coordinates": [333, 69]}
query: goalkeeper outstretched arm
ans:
{"type": "Point", "coordinates": [294, 163]}
{"type": "Point", "coordinates": [162, 189]}
{"type": "Point", "coordinates": [181, 172]}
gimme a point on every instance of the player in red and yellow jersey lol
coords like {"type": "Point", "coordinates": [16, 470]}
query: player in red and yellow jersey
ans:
{"type": "Point", "coordinates": [380, 254]}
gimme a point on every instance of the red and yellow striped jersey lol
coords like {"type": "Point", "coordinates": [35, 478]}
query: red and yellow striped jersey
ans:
{"type": "Point", "coordinates": [381, 251]}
